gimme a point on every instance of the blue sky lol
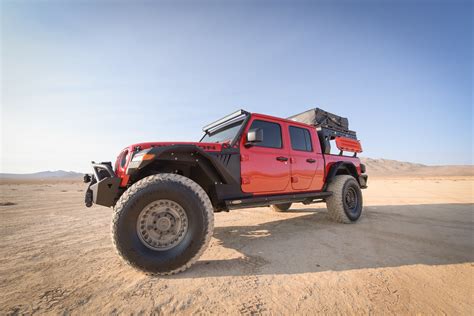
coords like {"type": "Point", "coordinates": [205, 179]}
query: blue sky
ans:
{"type": "Point", "coordinates": [81, 80]}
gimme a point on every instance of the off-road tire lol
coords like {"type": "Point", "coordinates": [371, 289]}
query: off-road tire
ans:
{"type": "Point", "coordinates": [200, 223]}
{"type": "Point", "coordinates": [338, 207]}
{"type": "Point", "coordinates": [281, 207]}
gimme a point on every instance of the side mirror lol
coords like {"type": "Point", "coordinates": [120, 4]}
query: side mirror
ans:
{"type": "Point", "coordinates": [254, 136]}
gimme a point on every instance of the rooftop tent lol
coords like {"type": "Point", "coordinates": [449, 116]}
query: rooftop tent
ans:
{"type": "Point", "coordinates": [319, 117]}
{"type": "Point", "coordinates": [324, 120]}
{"type": "Point", "coordinates": [329, 126]}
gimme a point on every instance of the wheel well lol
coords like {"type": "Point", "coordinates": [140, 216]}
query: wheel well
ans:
{"type": "Point", "coordinates": [342, 168]}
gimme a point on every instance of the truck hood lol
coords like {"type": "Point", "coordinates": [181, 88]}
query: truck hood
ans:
{"type": "Point", "coordinates": [204, 146]}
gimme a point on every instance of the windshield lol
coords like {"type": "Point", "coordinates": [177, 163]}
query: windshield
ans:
{"type": "Point", "coordinates": [224, 134]}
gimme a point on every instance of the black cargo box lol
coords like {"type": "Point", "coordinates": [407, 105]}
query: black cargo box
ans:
{"type": "Point", "coordinates": [321, 118]}
{"type": "Point", "coordinates": [328, 124]}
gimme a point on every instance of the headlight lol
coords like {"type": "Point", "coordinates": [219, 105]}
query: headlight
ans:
{"type": "Point", "coordinates": [143, 155]}
{"type": "Point", "coordinates": [138, 157]}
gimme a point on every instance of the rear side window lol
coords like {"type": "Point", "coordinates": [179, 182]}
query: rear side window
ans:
{"type": "Point", "coordinates": [300, 139]}
{"type": "Point", "coordinates": [271, 133]}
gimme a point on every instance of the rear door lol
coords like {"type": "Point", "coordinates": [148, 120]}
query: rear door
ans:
{"type": "Point", "coordinates": [304, 160]}
{"type": "Point", "coordinates": [265, 167]}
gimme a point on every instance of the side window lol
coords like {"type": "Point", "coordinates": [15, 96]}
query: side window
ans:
{"type": "Point", "coordinates": [309, 143]}
{"type": "Point", "coordinates": [300, 139]}
{"type": "Point", "coordinates": [334, 150]}
{"type": "Point", "coordinates": [271, 133]}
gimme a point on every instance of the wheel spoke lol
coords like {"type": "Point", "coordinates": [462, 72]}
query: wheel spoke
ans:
{"type": "Point", "coordinates": [165, 227]}
{"type": "Point", "coordinates": [351, 199]}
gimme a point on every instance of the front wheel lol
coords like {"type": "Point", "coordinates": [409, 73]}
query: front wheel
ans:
{"type": "Point", "coordinates": [345, 203]}
{"type": "Point", "coordinates": [162, 224]}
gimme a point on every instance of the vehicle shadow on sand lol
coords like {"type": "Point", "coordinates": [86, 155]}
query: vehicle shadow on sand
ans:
{"type": "Point", "coordinates": [386, 236]}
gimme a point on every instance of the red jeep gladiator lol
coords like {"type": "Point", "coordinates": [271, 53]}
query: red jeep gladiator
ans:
{"type": "Point", "coordinates": [165, 194]}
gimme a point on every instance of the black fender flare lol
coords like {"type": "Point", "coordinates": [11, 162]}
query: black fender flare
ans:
{"type": "Point", "coordinates": [188, 154]}
{"type": "Point", "coordinates": [341, 165]}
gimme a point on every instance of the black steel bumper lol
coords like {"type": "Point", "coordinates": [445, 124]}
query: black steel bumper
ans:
{"type": "Point", "coordinates": [103, 186]}
{"type": "Point", "coordinates": [363, 181]}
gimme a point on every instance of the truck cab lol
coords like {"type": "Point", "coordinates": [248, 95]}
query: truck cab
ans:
{"type": "Point", "coordinates": [286, 159]}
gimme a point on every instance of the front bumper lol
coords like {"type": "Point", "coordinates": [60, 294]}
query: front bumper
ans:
{"type": "Point", "coordinates": [104, 185]}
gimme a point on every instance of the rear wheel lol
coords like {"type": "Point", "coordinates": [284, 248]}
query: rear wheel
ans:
{"type": "Point", "coordinates": [281, 207]}
{"type": "Point", "coordinates": [345, 204]}
{"type": "Point", "coordinates": [162, 224]}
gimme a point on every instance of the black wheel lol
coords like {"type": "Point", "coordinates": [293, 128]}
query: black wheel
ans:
{"type": "Point", "coordinates": [345, 204]}
{"type": "Point", "coordinates": [162, 224]}
{"type": "Point", "coordinates": [281, 207]}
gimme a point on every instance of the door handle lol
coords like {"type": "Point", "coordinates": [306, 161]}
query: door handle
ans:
{"type": "Point", "coordinates": [310, 160]}
{"type": "Point", "coordinates": [281, 158]}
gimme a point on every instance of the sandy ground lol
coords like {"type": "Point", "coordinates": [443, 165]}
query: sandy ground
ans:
{"type": "Point", "coordinates": [411, 252]}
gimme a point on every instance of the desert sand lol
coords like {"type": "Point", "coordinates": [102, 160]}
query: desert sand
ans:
{"type": "Point", "coordinates": [411, 252]}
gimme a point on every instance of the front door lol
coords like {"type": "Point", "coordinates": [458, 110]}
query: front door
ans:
{"type": "Point", "coordinates": [265, 166]}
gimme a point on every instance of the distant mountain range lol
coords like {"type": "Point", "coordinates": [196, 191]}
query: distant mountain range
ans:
{"type": "Point", "coordinates": [375, 167]}
{"type": "Point", "coordinates": [393, 168]}
{"type": "Point", "coordinates": [59, 174]}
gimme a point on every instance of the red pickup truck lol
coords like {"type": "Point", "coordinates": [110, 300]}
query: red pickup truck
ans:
{"type": "Point", "coordinates": [164, 194]}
